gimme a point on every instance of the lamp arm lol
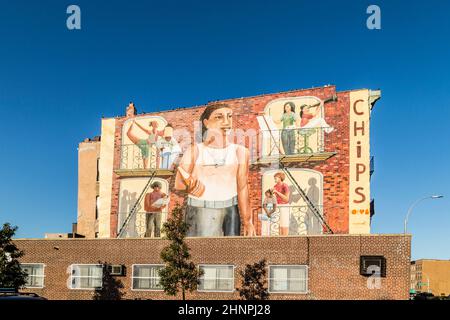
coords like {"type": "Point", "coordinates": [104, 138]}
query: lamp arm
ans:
{"type": "Point", "coordinates": [411, 208]}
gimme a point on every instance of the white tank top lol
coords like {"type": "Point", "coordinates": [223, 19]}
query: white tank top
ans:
{"type": "Point", "coordinates": [217, 170]}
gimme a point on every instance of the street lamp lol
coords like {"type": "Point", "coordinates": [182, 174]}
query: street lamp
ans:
{"type": "Point", "coordinates": [416, 203]}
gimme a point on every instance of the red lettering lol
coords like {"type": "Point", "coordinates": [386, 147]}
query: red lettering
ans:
{"type": "Point", "coordinates": [355, 110]}
{"type": "Point", "coordinates": [358, 149]}
{"type": "Point", "coordinates": [360, 169]}
{"type": "Point", "coordinates": [356, 128]}
{"type": "Point", "coordinates": [359, 191]}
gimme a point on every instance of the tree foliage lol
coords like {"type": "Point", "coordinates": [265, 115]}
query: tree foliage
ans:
{"type": "Point", "coordinates": [11, 274]}
{"type": "Point", "coordinates": [178, 273]}
{"type": "Point", "coordinates": [253, 285]}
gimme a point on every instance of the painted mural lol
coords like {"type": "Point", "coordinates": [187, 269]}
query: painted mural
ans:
{"type": "Point", "coordinates": [284, 211]}
{"type": "Point", "coordinates": [213, 172]}
{"type": "Point", "coordinates": [149, 143]}
{"type": "Point", "coordinates": [293, 126]}
{"type": "Point", "coordinates": [151, 211]}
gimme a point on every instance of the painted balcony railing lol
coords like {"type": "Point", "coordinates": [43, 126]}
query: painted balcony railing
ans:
{"type": "Point", "coordinates": [266, 146]}
{"type": "Point", "coordinates": [136, 227]}
{"type": "Point", "coordinates": [145, 157]}
{"type": "Point", "coordinates": [302, 221]}
{"type": "Point", "coordinates": [302, 143]}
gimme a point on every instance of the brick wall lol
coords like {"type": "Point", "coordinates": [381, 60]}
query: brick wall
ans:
{"type": "Point", "coordinates": [335, 170]}
{"type": "Point", "coordinates": [333, 262]}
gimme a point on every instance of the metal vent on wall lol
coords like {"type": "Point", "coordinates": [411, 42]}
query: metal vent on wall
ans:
{"type": "Point", "coordinates": [372, 265]}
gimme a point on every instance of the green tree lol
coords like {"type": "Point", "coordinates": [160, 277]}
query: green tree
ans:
{"type": "Point", "coordinates": [178, 273]}
{"type": "Point", "coordinates": [11, 274]}
{"type": "Point", "coordinates": [253, 285]}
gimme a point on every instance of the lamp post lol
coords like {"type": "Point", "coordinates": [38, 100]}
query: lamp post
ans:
{"type": "Point", "coordinates": [416, 203]}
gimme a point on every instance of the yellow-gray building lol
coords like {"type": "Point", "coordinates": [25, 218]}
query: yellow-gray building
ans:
{"type": "Point", "coordinates": [430, 275]}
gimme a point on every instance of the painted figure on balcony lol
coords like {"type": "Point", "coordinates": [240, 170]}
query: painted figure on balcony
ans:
{"type": "Point", "coordinates": [214, 173]}
{"type": "Point", "coordinates": [311, 118]}
{"type": "Point", "coordinates": [145, 145]}
{"type": "Point", "coordinates": [290, 120]}
{"type": "Point", "coordinates": [282, 193]}
{"type": "Point", "coordinates": [169, 148]}
{"type": "Point", "coordinates": [269, 208]}
{"type": "Point", "coordinates": [154, 203]}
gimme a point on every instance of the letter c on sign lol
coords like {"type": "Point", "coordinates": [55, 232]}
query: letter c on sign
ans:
{"type": "Point", "coordinates": [355, 110]}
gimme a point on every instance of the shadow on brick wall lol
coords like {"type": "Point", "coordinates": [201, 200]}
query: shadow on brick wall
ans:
{"type": "Point", "coordinates": [112, 287]}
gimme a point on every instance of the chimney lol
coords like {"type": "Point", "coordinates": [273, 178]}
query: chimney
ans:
{"type": "Point", "coordinates": [131, 110]}
{"type": "Point", "coordinates": [74, 228]}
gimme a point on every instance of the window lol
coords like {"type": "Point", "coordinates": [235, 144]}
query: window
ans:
{"type": "Point", "coordinates": [97, 206]}
{"type": "Point", "coordinates": [35, 272]}
{"type": "Point", "coordinates": [292, 279]}
{"type": "Point", "coordinates": [217, 278]}
{"type": "Point", "coordinates": [98, 170]}
{"type": "Point", "coordinates": [146, 277]}
{"type": "Point", "coordinates": [86, 276]}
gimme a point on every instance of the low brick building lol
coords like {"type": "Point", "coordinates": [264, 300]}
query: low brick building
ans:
{"type": "Point", "coordinates": [329, 266]}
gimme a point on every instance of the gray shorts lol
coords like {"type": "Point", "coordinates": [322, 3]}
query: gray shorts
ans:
{"type": "Point", "coordinates": [211, 222]}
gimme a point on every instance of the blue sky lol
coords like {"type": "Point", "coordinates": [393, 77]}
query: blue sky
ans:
{"type": "Point", "coordinates": [56, 84]}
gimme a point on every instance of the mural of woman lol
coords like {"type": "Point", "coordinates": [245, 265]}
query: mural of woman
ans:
{"type": "Point", "coordinates": [145, 144]}
{"type": "Point", "coordinates": [310, 118]}
{"type": "Point", "coordinates": [306, 114]}
{"type": "Point", "coordinates": [215, 175]}
{"type": "Point", "coordinates": [282, 193]}
{"type": "Point", "coordinates": [289, 120]}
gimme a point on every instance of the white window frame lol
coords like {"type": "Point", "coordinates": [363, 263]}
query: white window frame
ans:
{"type": "Point", "coordinates": [133, 277]}
{"type": "Point", "coordinates": [219, 265]}
{"type": "Point", "coordinates": [284, 266]}
{"type": "Point", "coordinates": [84, 264]}
{"type": "Point", "coordinates": [43, 274]}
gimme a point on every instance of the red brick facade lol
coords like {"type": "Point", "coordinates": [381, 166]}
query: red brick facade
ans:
{"type": "Point", "coordinates": [335, 170]}
{"type": "Point", "coordinates": [332, 260]}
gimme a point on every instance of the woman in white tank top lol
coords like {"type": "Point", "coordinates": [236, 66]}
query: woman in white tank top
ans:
{"type": "Point", "coordinates": [217, 169]}
{"type": "Point", "coordinates": [214, 173]}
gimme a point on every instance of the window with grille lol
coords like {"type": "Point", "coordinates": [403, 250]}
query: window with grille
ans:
{"type": "Point", "coordinates": [291, 279]}
{"type": "Point", "coordinates": [35, 274]}
{"type": "Point", "coordinates": [217, 278]}
{"type": "Point", "coordinates": [146, 277]}
{"type": "Point", "coordinates": [86, 276]}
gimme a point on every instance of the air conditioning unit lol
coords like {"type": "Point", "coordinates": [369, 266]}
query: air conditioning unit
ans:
{"type": "Point", "coordinates": [116, 270]}
{"type": "Point", "coordinates": [372, 265]}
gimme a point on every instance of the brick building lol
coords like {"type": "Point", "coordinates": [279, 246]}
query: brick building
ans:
{"type": "Point", "coordinates": [430, 275]}
{"type": "Point", "coordinates": [311, 146]}
{"type": "Point", "coordinates": [327, 267]}
{"type": "Point", "coordinates": [338, 159]}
